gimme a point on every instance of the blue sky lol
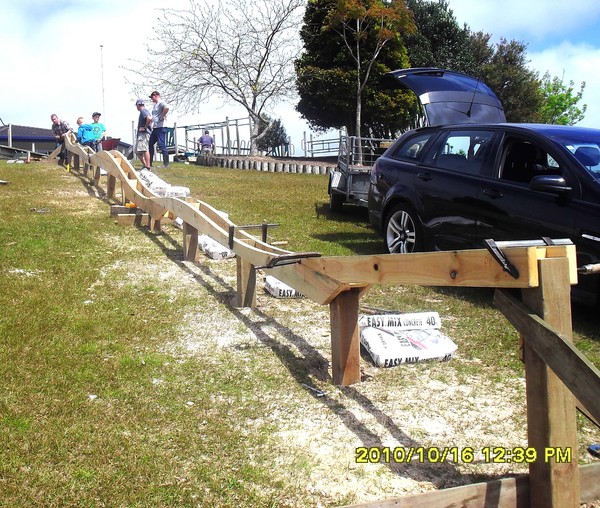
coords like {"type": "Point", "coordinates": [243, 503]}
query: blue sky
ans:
{"type": "Point", "coordinates": [54, 63]}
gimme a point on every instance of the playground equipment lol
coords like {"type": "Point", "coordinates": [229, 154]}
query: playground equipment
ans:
{"type": "Point", "coordinates": [559, 378]}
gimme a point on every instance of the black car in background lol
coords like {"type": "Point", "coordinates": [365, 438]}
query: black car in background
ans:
{"type": "Point", "coordinates": [473, 177]}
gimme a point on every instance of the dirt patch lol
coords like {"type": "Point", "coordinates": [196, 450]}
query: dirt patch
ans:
{"type": "Point", "coordinates": [425, 409]}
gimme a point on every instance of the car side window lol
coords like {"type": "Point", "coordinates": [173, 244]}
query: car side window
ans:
{"type": "Point", "coordinates": [463, 151]}
{"type": "Point", "coordinates": [523, 160]}
{"type": "Point", "coordinates": [412, 148]}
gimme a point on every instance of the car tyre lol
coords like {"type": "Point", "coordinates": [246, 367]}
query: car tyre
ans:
{"type": "Point", "coordinates": [402, 231]}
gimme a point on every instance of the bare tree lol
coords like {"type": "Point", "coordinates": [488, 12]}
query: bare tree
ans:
{"type": "Point", "coordinates": [236, 51]}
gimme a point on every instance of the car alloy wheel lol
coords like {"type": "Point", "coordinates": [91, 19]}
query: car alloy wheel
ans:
{"type": "Point", "coordinates": [402, 233]}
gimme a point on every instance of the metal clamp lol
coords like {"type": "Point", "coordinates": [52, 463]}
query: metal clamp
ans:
{"type": "Point", "coordinates": [288, 259]}
{"type": "Point", "coordinates": [264, 226]}
{"type": "Point", "coordinates": [499, 256]}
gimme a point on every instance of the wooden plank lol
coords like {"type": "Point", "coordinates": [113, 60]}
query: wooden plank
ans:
{"type": "Point", "coordinates": [132, 219]}
{"type": "Point", "coordinates": [589, 475]}
{"type": "Point", "coordinates": [551, 414]}
{"type": "Point", "coordinates": [474, 268]}
{"type": "Point", "coordinates": [110, 186]}
{"type": "Point", "coordinates": [569, 364]}
{"type": "Point", "coordinates": [190, 242]}
{"type": "Point", "coordinates": [504, 493]}
{"type": "Point", "coordinates": [246, 284]}
{"type": "Point", "coordinates": [345, 344]}
{"type": "Point", "coordinates": [468, 268]}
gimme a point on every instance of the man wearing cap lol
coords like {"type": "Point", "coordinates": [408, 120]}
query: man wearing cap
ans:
{"type": "Point", "coordinates": [159, 113]}
{"type": "Point", "coordinates": [98, 130]}
{"type": "Point", "coordinates": [144, 129]}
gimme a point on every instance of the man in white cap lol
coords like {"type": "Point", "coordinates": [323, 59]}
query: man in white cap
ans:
{"type": "Point", "coordinates": [159, 113]}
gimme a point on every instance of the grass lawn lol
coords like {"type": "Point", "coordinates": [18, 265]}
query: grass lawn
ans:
{"type": "Point", "coordinates": [99, 406]}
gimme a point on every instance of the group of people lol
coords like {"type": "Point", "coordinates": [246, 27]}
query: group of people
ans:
{"type": "Point", "coordinates": [91, 134]}
{"type": "Point", "coordinates": [151, 130]}
{"type": "Point", "coordinates": [88, 134]}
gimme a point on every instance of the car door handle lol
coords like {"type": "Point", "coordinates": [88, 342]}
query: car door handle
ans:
{"type": "Point", "coordinates": [424, 176]}
{"type": "Point", "coordinates": [493, 193]}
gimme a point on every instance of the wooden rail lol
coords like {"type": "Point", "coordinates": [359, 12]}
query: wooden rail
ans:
{"type": "Point", "coordinates": [557, 375]}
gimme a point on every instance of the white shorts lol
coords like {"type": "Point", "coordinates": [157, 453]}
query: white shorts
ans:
{"type": "Point", "coordinates": [142, 142]}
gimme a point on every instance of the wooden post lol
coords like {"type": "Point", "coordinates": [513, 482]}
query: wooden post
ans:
{"type": "Point", "coordinates": [110, 186]}
{"type": "Point", "coordinates": [246, 284]}
{"type": "Point", "coordinates": [154, 224]}
{"type": "Point", "coordinates": [190, 242]}
{"type": "Point", "coordinates": [551, 415]}
{"type": "Point", "coordinates": [97, 176]}
{"type": "Point", "coordinates": [345, 345]}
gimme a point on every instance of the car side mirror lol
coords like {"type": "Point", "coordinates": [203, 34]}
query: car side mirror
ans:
{"type": "Point", "coordinates": [554, 184]}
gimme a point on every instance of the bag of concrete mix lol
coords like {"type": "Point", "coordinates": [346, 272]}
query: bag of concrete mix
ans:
{"type": "Point", "coordinates": [279, 289]}
{"type": "Point", "coordinates": [394, 339]}
{"type": "Point", "coordinates": [214, 249]}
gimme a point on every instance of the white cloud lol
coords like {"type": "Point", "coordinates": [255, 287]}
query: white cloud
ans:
{"type": "Point", "coordinates": [577, 63]}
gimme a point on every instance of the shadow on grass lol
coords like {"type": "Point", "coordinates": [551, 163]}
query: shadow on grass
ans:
{"type": "Point", "coordinates": [315, 367]}
{"type": "Point", "coordinates": [361, 243]}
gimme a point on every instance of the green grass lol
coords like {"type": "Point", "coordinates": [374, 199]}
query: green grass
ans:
{"type": "Point", "coordinates": [94, 411]}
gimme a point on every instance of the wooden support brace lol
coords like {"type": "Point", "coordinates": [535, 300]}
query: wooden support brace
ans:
{"type": "Point", "coordinates": [190, 242]}
{"type": "Point", "coordinates": [345, 345]}
{"type": "Point", "coordinates": [551, 414]}
{"type": "Point", "coordinates": [246, 284]}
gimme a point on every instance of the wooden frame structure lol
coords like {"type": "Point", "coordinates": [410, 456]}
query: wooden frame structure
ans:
{"type": "Point", "coordinates": [558, 377]}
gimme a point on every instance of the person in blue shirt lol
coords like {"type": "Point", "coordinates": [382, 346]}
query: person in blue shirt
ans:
{"type": "Point", "coordinates": [98, 130]}
{"type": "Point", "coordinates": [206, 144]}
{"type": "Point", "coordinates": [85, 134]}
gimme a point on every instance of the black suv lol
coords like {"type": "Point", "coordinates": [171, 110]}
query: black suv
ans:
{"type": "Point", "coordinates": [472, 177]}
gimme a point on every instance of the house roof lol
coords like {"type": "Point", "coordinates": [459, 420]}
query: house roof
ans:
{"type": "Point", "coordinates": [24, 133]}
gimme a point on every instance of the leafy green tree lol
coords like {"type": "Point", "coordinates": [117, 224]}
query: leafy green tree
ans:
{"type": "Point", "coordinates": [559, 104]}
{"type": "Point", "coordinates": [504, 69]}
{"type": "Point", "coordinates": [365, 27]}
{"type": "Point", "coordinates": [331, 75]}
{"type": "Point", "coordinates": [273, 135]}
{"type": "Point", "coordinates": [439, 41]}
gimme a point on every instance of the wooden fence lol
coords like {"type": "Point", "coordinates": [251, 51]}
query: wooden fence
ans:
{"type": "Point", "coordinates": [558, 377]}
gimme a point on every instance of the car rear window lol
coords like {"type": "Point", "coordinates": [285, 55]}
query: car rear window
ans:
{"type": "Point", "coordinates": [412, 147]}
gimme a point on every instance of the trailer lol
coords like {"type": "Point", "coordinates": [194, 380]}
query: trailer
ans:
{"type": "Point", "coordinates": [349, 182]}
